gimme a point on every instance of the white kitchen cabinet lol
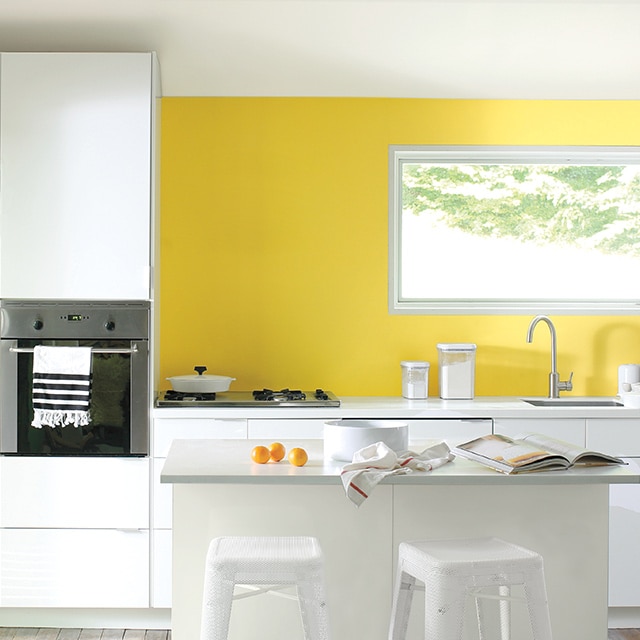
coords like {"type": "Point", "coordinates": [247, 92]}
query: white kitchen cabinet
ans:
{"type": "Point", "coordinates": [568, 429]}
{"type": "Point", "coordinates": [161, 568]}
{"type": "Point", "coordinates": [621, 438]}
{"type": "Point", "coordinates": [77, 568]}
{"type": "Point", "coordinates": [84, 492]}
{"type": "Point", "coordinates": [289, 428]}
{"type": "Point", "coordinates": [167, 430]}
{"type": "Point", "coordinates": [77, 150]}
{"type": "Point", "coordinates": [71, 529]}
{"type": "Point", "coordinates": [452, 431]}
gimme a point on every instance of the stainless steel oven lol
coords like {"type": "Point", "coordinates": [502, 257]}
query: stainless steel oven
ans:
{"type": "Point", "coordinates": [118, 334]}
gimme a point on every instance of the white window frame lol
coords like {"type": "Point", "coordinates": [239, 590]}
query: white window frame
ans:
{"type": "Point", "coordinates": [401, 154]}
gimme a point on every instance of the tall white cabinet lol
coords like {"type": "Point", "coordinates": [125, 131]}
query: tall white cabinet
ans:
{"type": "Point", "coordinates": [78, 147]}
{"type": "Point", "coordinates": [76, 190]}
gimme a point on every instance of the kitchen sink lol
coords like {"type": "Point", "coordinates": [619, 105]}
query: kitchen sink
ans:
{"type": "Point", "coordinates": [573, 402]}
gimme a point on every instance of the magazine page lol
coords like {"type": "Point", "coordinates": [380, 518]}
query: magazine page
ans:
{"type": "Point", "coordinates": [572, 452]}
{"type": "Point", "coordinates": [505, 450]}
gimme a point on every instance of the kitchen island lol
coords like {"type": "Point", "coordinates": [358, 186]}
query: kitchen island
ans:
{"type": "Point", "coordinates": [217, 490]}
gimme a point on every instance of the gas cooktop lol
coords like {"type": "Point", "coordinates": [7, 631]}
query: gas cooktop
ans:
{"type": "Point", "coordinates": [258, 398]}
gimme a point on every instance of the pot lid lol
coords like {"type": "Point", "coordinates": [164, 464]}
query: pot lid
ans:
{"type": "Point", "coordinates": [200, 375]}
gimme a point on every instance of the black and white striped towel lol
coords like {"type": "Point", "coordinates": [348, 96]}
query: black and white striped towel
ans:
{"type": "Point", "coordinates": [61, 386]}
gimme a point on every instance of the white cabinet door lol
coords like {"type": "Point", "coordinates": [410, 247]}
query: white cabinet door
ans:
{"type": "Point", "coordinates": [161, 575]}
{"type": "Point", "coordinates": [567, 429]}
{"type": "Point", "coordinates": [453, 432]}
{"type": "Point", "coordinates": [74, 568]}
{"type": "Point", "coordinates": [620, 437]}
{"type": "Point", "coordinates": [166, 430]}
{"type": "Point", "coordinates": [74, 492]}
{"type": "Point", "coordinates": [624, 550]}
{"type": "Point", "coordinates": [75, 145]}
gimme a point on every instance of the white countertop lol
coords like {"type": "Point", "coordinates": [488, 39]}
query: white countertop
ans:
{"type": "Point", "coordinates": [398, 407]}
{"type": "Point", "coordinates": [229, 462]}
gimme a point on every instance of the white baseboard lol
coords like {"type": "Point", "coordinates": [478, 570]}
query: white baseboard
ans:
{"type": "Point", "coordinates": [624, 617]}
{"type": "Point", "coordinates": [86, 618]}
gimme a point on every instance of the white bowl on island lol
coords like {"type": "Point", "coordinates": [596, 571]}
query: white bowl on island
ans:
{"type": "Point", "coordinates": [342, 438]}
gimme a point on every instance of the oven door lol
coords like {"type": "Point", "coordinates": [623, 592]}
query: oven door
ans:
{"type": "Point", "coordinates": [119, 408]}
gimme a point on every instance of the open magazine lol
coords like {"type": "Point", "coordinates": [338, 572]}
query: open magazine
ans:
{"type": "Point", "coordinates": [533, 452]}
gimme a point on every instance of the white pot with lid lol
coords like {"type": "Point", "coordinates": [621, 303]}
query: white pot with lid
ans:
{"type": "Point", "coordinates": [200, 383]}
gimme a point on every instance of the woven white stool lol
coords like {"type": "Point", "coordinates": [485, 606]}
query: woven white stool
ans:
{"type": "Point", "coordinates": [452, 570]}
{"type": "Point", "coordinates": [267, 564]}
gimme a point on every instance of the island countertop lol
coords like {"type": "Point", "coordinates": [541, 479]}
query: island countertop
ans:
{"type": "Point", "coordinates": [229, 462]}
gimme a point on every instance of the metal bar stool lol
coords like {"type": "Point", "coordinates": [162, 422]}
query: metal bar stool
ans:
{"type": "Point", "coordinates": [452, 570]}
{"type": "Point", "coordinates": [264, 565]}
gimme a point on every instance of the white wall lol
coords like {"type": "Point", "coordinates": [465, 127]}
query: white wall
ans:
{"type": "Point", "coordinates": [576, 49]}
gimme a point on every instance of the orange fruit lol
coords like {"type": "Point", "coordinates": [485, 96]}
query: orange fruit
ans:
{"type": "Point", "coordinates": [260, 454]}
{"type": "Point", "coordinates": [277, 451]}
{"type": "Point", "coordinates": [298, 457]}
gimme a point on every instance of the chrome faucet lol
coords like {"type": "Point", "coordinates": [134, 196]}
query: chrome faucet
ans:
{"type": "Point", "coordinates": [555, 384]}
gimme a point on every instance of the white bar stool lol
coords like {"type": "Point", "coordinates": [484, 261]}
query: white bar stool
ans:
{"type": "Point", "coordinates": [451, 570]}
{"type": "Point", "coordinates": [265, 564]}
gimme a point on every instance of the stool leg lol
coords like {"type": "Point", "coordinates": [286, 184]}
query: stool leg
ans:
{"type": "Point", "coordinates": [505, 612]}
{"type": "Point", "coordinates": [313, 608]}
{"type": "Point", "coordinates": [401, 607]}
{"type": "Point", "coordinates": [216, 610]}
{"type": "Point", "coordinates": [536, 594]}
{"type": "Point", "coordinates": [444, 608]}
{"type": "Point", "coordinates": [504, 608]}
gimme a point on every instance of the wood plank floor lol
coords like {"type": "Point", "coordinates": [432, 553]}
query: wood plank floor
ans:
{"type": "Point", "coordinates": [7, 633]}
{"type": "Point", "coordinates": [154, 634]}
{"type": "Point", "coordinates": [11, 633]}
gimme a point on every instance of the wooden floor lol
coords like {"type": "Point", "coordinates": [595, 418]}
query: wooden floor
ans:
{"type": "Point", "coordinates": [10, 633]}
{"type": "Point", "coordinates": [7, 633]}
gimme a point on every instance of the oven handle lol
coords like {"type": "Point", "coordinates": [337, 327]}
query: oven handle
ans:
{"type": "Point", "coordinates": [133, 349]}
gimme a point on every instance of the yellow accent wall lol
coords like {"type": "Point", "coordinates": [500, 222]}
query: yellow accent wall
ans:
{"type": "Point", "coordinates": [274, 244]}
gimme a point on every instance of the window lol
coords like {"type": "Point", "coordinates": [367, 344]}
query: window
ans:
{"type": "Point", "coordinates": [488, 230]}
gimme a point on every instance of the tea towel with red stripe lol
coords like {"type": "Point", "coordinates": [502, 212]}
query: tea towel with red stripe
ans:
{"type": "Point", "coordinates": [61, 386]}
{"type": "Point", "coordinates": [372, 464]}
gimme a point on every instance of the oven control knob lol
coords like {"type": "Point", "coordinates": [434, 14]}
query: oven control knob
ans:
{"type": "Point", "coordinates": [38, 324]}
{"type": "Point", "coordinates": [110, 325]}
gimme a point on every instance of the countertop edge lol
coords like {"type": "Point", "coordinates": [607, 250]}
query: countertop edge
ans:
{"type": "Point", "coordinates": [228, 462]}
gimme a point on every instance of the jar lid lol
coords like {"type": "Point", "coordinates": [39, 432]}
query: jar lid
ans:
{"type": "Point", "coordinates": [414, 364]}
{"type": "Point", "coordinates": [462, 346]}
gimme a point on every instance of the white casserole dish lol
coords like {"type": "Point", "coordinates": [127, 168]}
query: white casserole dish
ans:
{"type": "Point", "coordinates": [200, 383]}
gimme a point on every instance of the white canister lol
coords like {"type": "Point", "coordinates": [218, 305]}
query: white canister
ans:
{"type": "Point", "coordinates": [415, 379]}
{"type": "Point", "coordinates": [627, 374]}
{"type": "Point", "coordinates": [457, 369]}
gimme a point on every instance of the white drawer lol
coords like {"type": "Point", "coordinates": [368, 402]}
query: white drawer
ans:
{"type": "Point", "coordinates": [165, 431]}
{"type": "Point", "coordinates": [567, 429]}
{"type": "Point", "coordinates": [74, 568]}
{"type": "Point", "coordinates": [82, 492]}
{"type": "Point", "coordinates": [286, 428]}
{"type": "Point", "coordinates": [619, 437]}
{"type": "Point", "coordinates": [453, 432]}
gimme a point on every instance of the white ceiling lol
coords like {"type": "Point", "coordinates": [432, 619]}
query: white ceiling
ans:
{"type": "Point", "coordinates": [574, 49]}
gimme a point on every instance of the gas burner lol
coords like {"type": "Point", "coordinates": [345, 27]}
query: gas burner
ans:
{"type": "Point", "coordinates": [188, 396]}
{"type": "Point", "coordinates": [284, 395]}
{"type": "Point", "coordinates": [263, 399]}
